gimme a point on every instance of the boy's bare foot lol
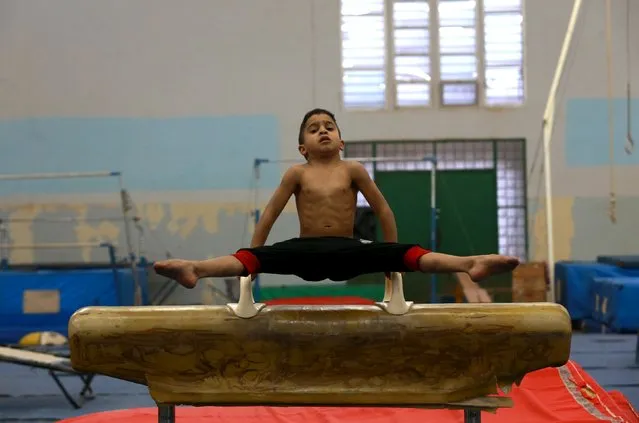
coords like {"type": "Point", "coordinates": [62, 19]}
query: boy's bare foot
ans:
{"type": "Point", "coordinates": [485, 266]}
{"type": "Point", "coordinates": [182, 271]}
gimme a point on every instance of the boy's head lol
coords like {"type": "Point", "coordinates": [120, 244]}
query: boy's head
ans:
{"type": "Point", "coordinates": [319, 134]}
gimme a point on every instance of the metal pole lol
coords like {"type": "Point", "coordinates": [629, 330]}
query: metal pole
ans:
{"type": "Point", "coordinates": [166, 413]}
{"type": "Point", "coordinates": [4, 252]}
{"type": "Point", "coordinates": [548, 122]}
{"type": "Point", "coordinates": [357, 159]}
{"type": "Point", "coordinates": [56, 245]}
{"type": "Point", "coordinates": [62, 219]}
{"type": "Point", "coordinates": [66, 175]}
{"type": "Point", "coordinates": [256, 219]}
{"type": "Point", "coordinates": [433, 231]}
{"type": "Point", "coordinates": [126, 206]}
{"type": "Point", "coordinates": [256, 281]}
{"type": "Point", "coordinates": [472, 415]}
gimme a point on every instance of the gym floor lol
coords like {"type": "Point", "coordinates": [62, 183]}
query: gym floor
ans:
{"type": "Point", "coordinates": [28, 394]}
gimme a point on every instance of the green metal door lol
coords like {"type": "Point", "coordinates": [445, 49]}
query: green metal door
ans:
{"type": "Point", "coordinates": [408, 194]}
{"type": "Point", "coordinates": [467, 203]}
{"type": "Point", "coordinates": [467, 223]}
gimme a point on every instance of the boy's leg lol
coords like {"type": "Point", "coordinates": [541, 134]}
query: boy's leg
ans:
{"type": "Point", "coordinates": [188, 272]}
{"type": "Point", "coordinates": [477, 267]}
{"type": "Point", "coordinates": [473, 292]}
{"type": "Point", "coordinates": [280, 258]}
{"type": "Point", "coordinates": [395, 257]}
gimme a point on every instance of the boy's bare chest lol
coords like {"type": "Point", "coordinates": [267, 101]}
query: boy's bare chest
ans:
{"type": "Point", "coordinates": [326, 185]}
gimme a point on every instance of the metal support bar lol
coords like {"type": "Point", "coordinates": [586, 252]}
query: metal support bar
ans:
{"type": "Point", "coordinates": [57, 245]}
{"type": "Point", "coordinates": [166, 413]}
{"type": "Point", "coordinates": [85, 394]}
{"type": "Point", "coordinates": [472, 415]}
{"type": "Point", "coordinates": [258, 162]}
{"type": "Point", "coordinates": [433, 229]}
{"type": "Point", "coordinates": [548, 127]}
{"type": "Point", "coordinates": [66, 175]}
{"type": "Point", "coordinates": [126, 209]}
{"type": "Point", "coordinates": [63, 219]}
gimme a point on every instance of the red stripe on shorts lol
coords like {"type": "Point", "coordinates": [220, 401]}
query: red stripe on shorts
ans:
{"type": "Point", "coordinates": [412, 256]}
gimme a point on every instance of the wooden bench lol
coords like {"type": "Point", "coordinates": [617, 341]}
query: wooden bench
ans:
{"type": "Point", "coordinates": [392, 354]}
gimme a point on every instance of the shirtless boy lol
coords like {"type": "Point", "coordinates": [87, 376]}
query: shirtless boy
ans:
{"type": "Point", "coordinates": [325, 190]}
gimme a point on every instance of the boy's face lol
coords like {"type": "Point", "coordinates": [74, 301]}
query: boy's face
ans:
{"type": "Point", "coordinates": [321, 136]}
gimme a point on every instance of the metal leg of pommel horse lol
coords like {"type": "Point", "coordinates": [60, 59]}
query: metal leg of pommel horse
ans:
{"type": "Point", "coordinates": [472, 415]}
{"type": "Point", "coordinates": [166, 413]}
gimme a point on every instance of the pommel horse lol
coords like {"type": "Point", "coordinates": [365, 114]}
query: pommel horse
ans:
{"type": "Point", "coordinates": [391, 354]}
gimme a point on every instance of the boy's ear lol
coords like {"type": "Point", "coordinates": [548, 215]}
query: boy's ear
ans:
{"type": "Point", "coordinates": [302, 150]}
{"type": "Point", "coordinates": [342, 144]}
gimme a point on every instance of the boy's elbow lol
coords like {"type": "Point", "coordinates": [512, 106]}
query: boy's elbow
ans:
{"type": "Point", "coordinates": [268, 218]}
{"type": "Point", "coordinates": [386, 212]}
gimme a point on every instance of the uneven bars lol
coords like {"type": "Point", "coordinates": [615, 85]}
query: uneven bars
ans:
{"type": "Point", "coordinates": [66, 175]}
{"type": "Point", "coordinates": [548, 125]}
{"type": "Point", "coordinates": [99, 174]}
{"type": "Point", "coordinates": [56, 245]}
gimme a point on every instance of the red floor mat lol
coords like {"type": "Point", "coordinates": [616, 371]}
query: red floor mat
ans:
{"type": "Point", "coordinates": [567, 395]}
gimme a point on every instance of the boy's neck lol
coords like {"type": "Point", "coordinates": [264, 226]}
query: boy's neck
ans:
{"type": "Point", "coordinates": [325, 160]}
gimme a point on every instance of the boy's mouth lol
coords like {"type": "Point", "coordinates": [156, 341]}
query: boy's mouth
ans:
{"type": "Point", "coordinates": [325, 138]}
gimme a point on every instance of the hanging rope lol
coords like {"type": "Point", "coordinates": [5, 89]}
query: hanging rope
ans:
{"type": "Point", "coordinates": [630, 144]}
{"type": "Point", "coordinates": [612, 212]}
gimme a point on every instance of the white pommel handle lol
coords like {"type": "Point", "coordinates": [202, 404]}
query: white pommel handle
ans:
{"type": "Point", "coordinates": [246, 306]}
{"type": "Point", "coordinates": [394, 300]}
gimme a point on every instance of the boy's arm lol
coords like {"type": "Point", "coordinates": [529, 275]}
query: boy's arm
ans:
{"type": "Point", "coordinates": [275, 206]}
{"type": "Point", "coordinates": [376, 199]}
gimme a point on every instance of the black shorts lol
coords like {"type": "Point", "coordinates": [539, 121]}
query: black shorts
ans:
{"type": "Point", "coordinates": [334, 258]}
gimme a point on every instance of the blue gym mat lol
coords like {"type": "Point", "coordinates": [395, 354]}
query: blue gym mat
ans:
{"type": "Point", "coordinates": [574, 280]}
{"type": "Point", "coordinates": [628, 262]}
{"type": "Point", "coordinates": [615, 303]}
{"type": "Point", "coordinates": [74, 288]}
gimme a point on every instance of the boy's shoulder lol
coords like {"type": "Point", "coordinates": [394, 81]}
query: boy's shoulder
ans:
{"type": "Point", "coordinates": [355, 166]}
{"type": "Point", "coordinates": [297, 169]}
{"type": "Point", "coordinates": [294, 172]}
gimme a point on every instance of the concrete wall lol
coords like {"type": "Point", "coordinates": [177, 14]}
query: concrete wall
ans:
{"type": "Point", "coordinates": [182, 98]}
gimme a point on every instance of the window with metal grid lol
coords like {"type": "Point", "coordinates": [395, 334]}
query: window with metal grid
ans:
{"type": "Point", "coordinates": [363, 54]}
{"type": "Point", "coordinates": [411, 52]}
{"type": "Point", "coordinates": [511, 198]}
{"type": "Point", "coordinates": [458, 52]}
{"type": "Point", "coordinates": [418, 150]}
{"type": "Point", "coordinates": [504, 52]}
{"type": "Point", "coordinates": [465, 155]}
